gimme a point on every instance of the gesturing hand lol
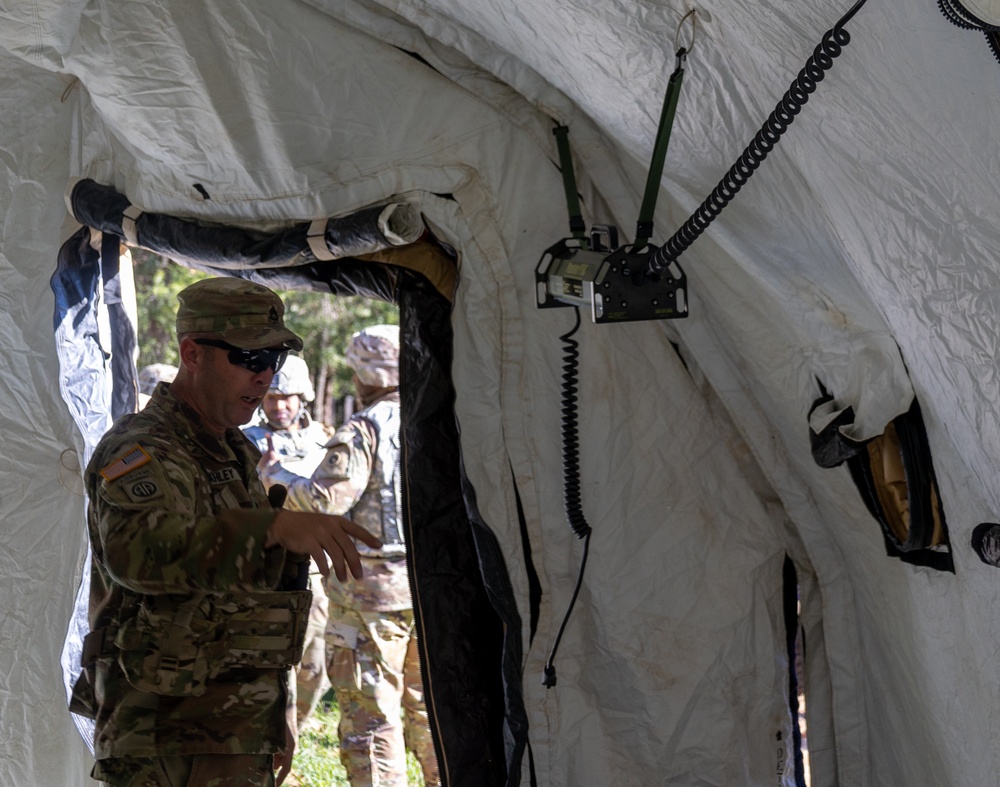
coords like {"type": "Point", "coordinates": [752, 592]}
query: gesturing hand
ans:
{"type": "Point", "coordinates": [322, 536]}
{"type": "Point", "coordinates": [269, 457]}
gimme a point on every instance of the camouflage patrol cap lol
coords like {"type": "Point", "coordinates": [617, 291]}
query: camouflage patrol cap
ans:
{"type": "Point", "coordinates": [373, 354]}
{"type": "Point", "coordinates": [243, 313]}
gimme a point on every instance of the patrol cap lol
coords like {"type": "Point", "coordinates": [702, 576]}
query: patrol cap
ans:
{"type": "Point", "coordinates": [373, 354]}
{"type": "Point", "coordinates": [241, 312]}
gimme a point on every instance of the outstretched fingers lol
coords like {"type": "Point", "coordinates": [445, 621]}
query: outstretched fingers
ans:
{"type": "Point", "coordinates": [319, 555]}
{"type": "Point", "coordinates": [328, 539]}
{"type": "Point", "coordinates": [354, 529]}
{"type": "Point", "coordinates": [341, 549]}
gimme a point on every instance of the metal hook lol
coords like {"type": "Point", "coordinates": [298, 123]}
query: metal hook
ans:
{"type": "Point", "coordinates": [693, 14]}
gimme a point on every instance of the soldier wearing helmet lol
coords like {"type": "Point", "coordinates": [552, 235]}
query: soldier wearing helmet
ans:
{"type": "Point", "coordinates": [296, 437]}
{"type": "Point", "coordinates": [372, 658]}
{"type": "Point", "coordinates": [150, 376]}
{"type": "Point", "coordinates": [287, 430]}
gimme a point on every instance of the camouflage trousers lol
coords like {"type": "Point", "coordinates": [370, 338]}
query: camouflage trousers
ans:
{"type": "Point", "coordinates": [310, 674]}
{"type": "Point", "coordinates": [195, 770]}
{"type": "Point", "coordinates": [374, 667]}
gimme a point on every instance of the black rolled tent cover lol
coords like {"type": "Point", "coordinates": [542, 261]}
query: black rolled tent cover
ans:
{"type": "Point", "coordinates": [469, 632]}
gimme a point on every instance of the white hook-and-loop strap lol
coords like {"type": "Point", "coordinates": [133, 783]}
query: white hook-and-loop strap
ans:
{"type": "Point", "coordinates": [316, 236]}
{"type": "Point", "coordinates": [130, 216]}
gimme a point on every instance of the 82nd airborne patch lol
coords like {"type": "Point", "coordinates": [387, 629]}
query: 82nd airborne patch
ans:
{"type": "Point", "coordinates": [141, 486]}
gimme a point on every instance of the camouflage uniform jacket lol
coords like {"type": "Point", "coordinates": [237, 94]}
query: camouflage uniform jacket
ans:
{"type": "Point", "coordinates": [175, 512]}
{"type": "Point", "coordinates": [299, 450]}
{"type": "Point", "coordinates": [359, 478]}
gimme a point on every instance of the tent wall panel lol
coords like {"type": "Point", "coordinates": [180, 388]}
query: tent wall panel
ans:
{"type": "Point", "coordinates": [41, 502]}
{"type": "Point", "coordinates": [861, 256]}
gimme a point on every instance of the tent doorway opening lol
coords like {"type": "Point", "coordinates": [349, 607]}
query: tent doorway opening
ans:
{"type": "Point", "coordinates": [469, 636]}
{"type": "Point", "coordinates": [326, 324]}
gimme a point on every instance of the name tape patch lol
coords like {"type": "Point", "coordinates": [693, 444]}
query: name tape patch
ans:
{"type": "Point", "coordinates": [136, 457]}
{"type": "Point", "coordinates": [223, 476]}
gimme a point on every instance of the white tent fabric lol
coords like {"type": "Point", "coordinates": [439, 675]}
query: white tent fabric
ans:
{"type": "Point", "coordinates": [862, 254]}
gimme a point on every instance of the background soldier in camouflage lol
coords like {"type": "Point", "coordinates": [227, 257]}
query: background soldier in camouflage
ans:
{"type": "Point", "coordinates": [372, 654]}
{"type": "Point", "coordinates": [287, 428]}
{"type": "Point", "coordinates": [192, 629]}
{"type": "Point", "coordinates": [150, 376]}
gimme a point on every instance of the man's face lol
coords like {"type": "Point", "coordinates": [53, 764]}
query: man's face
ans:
{"type": "Point", "coordinates": [281, 410]}
{"type": "Point", "coordinates": [228, 394]}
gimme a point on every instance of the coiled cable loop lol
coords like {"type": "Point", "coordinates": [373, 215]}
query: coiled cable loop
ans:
{"type": "Point", "coordinates": [960, 16]}
{"type": "Point", "coordinates": [572, 497]}
{"type": "Point", "coordinates": [572, 500]}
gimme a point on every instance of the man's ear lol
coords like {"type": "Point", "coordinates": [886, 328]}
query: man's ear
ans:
{"type": "Point", "coordinates": [192, 354]}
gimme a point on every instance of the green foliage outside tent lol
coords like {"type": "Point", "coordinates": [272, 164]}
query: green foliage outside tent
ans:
{"type": "Point", "coordinates": [324, 322]}
{"type": "Point", "coordinates": [317, 755]}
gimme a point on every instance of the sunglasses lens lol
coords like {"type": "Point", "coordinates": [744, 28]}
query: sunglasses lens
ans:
{"type": "Point", "coordinates": [257, 361]}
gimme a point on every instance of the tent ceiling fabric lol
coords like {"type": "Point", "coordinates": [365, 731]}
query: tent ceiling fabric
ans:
{"type": "Point", "coordinates": [861, 255]}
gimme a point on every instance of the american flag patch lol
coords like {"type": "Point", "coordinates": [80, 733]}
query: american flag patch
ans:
{"type": "Point", "coordinates": [136, 457]}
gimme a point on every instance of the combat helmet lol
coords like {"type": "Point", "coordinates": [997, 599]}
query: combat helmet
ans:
{"type": "Point", "coordinates": [293, 378]}
{"type": "Point", "coordinates": [373, 354]}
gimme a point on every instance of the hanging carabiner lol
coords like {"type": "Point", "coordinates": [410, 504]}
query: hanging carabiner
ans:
{"type": "Point", "coordinates": [684, 51]}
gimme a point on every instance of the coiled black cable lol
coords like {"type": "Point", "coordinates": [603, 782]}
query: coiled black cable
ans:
{"type": "Point", "coordinates": [572, 498]}
{"type": "Point", "coordinates": [777, 123]}
{"type": "Point", "coordinates": [960, 16]}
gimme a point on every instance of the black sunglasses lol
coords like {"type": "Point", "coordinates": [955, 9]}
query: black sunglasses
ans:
{"type": "Point", "coordinates": [255, 361]}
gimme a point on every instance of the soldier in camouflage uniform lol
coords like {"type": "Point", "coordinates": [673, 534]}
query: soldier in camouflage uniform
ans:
{"type": "Point", "coordinates": [150, 375]}
{"type": "Point", "coordinates": [194, 614]}
{"type": "Point", "coordinates": [298, 440]}
{"type": "Point", "coordinates": [372, 657]}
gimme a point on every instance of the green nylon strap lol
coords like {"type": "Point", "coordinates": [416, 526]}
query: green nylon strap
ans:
{"type": "Point", "coordinates": [644, 225]}
{"type": "Point", "coordinates": [576, 223]}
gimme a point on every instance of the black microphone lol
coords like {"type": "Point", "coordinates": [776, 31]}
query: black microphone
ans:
{"type": "Point", "coordinates": [299, 564]}
{"type": "Point", "coordinates": [276, 495]}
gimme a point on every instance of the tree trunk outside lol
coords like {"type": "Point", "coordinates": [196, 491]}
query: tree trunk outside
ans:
{"type": "Point", "coordinates": [321, 407]}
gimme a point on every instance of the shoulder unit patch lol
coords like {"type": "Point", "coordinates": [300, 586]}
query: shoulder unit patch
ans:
{"type": "Point", "coordinates": [141, 486]}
